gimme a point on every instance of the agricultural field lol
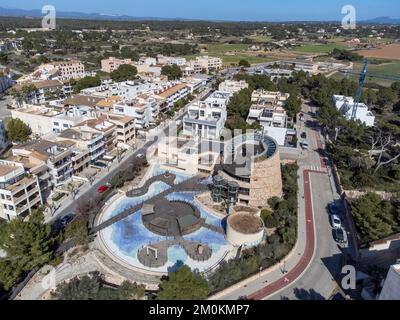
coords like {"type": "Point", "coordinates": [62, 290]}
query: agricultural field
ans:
{"type": "Point", "coordinates": [319, 48]}
{"type": "Point", "coordinates": [231, 54]}
{"type": "Point", "coordinates": [391, 51]}
{"type": "Point", "coordinates": [387, 68]}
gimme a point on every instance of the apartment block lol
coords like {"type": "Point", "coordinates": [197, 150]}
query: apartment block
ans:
{"type": "Point", "coordinates": [267, 110]}
{"type": "Point", "coordinates": [68, 70]}
{"type": "Point", "coordinates": [233, 86]}
{"type": "Point", "coordinates": [111, 64]}
{"type": "Point", "coordinates": [206, 118]}
{"type": "Point", "coordinates": [19, 192]}
{"type": "Point", "coordinates": [43, 120]}
{"type": "Point", "coordinates": [171, 94]}
{"type": "Point", "coordinates": [56, 157]}
{"type": "Point", "coordinates": [209, 64]}
{"type": "Point", "coordinates": [86, 139]}
{"type": "Point", "coordinates": [57, 70]}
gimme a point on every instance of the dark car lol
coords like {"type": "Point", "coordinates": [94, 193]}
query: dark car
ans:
{"type": "Point", "coordinates": [333, 208]}
{"type": "Point", "coordinates": [339, 235]}
{"type": "Point", "coordinates": [303, 135]}
{"type": "Point", "coordinates": [66, 220]}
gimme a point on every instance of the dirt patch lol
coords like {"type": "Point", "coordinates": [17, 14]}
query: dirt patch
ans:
{"type": "Point", "coordinates": [245, 223]}
{"type": "Point", "coordinates": [391, 51]}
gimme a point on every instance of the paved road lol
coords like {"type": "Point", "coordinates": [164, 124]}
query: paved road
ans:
{"type": "Point", "coordinates": [91, 191]}
{"type": "Point", "coordinates": [4, 112]}
{"type": "Point", "coordinates": [308, 273]}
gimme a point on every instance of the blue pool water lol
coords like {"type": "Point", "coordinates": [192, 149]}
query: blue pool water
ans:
{"type": "Point", "coordinates": [130, 235]}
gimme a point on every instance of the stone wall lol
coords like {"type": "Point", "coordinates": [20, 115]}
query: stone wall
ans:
{"type": "Point", "coordinates": [266, 180]}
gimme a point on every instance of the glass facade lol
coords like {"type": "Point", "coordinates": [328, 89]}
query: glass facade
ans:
{"type": "Point", "coordinates": [223, 190]}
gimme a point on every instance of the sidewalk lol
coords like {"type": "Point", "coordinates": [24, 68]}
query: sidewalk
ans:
{"type": "Point", "coordinates": [87, 186]}
{"type": "Point", "coordinates": [251, 287]}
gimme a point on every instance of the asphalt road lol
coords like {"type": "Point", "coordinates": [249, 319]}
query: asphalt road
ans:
{"type": "Point", "coordinates": [92, 192]}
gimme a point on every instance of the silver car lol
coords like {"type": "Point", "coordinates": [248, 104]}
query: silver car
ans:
{"type": "Point", "coordinates": [336, 223]}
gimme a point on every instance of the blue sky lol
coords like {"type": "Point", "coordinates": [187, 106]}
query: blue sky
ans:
{"type": "Point", "coordinates": [271, 10]}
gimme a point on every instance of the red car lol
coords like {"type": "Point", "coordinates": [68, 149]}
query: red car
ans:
{"type": "Point", "coordinates": [102, 189]}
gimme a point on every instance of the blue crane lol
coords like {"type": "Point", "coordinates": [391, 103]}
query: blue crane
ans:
{"type": "Point", "coordinates": [361, 83]}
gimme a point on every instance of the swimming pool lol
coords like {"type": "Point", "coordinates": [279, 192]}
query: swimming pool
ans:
{"type": "Point", "coordinates": [124, 238]}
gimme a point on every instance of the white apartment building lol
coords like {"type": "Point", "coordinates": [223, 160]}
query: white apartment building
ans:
{"type": "Point", "coordinates": [57, 70]}
{"type": "Point", "coordinates": [19, 192]}
{"type": "Point", "coordinates": [139, 110]}
{"type": "Point", "coordinates": [126, 90]}
{"type": "Point", "coordinates": [43, 90]}
{"type": "Point", "coordinates": [163, 60]}
{"type": "Point", "coordinates": [88, 140]}
{"type": "Point", "coordinates": [267, 110]}
{"type": "Point", "coordinates": [56, 157]}
{"type": "Point", "coordinates": [346, 106]}
{"type": "Point", "coordinates": [207, 118]}
{"type": "Point", "coordinates": [43, 120]}
{"type": "Point", "coordinates": [233, 86]}
{"type": "Point", "coordinates": [125, 129]}
{"type": "Point", "coordinates": [171, 94]}
{"type": "Point", "coordinates": [209, 64]}
{"type": "Point", "coordinates": [188, 155]}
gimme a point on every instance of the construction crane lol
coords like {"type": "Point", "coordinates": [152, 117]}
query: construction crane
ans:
{"type": "Point", "coordinates": [361, 83]}
{"type": "Point", "coordinates": [363, 75]}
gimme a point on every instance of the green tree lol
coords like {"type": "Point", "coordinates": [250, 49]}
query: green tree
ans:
{"type": "Point", "coordinates": [91, 287]}
{"type": "Point", "coordinates": [87, 82]}
{"type": "Point", "coordinates": [244, 63]}
{"type": "Point", "coordinates": [124, 72]}
{"type": "Point", "coordinates": [17, 130]}
{"type": "Point", "coordinates": [173, 72]}
{"type": "Point", "coordinates": [183, 284]}
{"type": "Point", "coordinates": [293, 105]}
{"type": "Point", "coordinates": [27, 244]}
{"type": "Point", "coordinates": [78, 231]}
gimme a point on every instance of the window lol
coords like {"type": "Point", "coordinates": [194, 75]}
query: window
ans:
{"type": "Point", "coordinates": [56, 124]}
{"type": "Point", "coordinates": [65, 125]}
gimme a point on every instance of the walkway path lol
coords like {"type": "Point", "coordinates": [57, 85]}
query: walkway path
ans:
{"type": "Point", "coordinates": [192, 184]}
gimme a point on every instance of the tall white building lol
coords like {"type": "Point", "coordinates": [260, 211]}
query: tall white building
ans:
{"type": "Point", "coordinates": [207, 118]}
{"type": "Point", "coordinates": [19, 192]}
{"type": "Point", "coordinates": [346, 106]}
{"type": "Point", "coordinates": [267, 109]}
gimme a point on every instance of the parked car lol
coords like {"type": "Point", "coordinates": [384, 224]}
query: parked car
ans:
{"type": "Point", "coordinates": [336, 223]}
{"type": "Point", "coordinates": [304, 144]}
{"type": "Point", "coordinates": [140, 156]}
{"type": "Point", "coordinates": [333, 208]}
{"type": "Point", "coordinates": [66, 220]}
{"type": "Point", "coordinates": [339, 235]}
{"type": "Point", "coordinates": [303, 135]}
{"type": "Point", "coordinates": [102, 189]}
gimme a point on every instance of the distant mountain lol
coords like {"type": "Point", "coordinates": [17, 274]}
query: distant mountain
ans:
{"type": "Point", "coordinates": [13, 12]}
{"type": "Point", "coordinates": [383, 20]}
{"type": "Point", "coordinates": [9, 12]}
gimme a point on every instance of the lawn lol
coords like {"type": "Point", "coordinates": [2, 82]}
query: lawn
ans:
{"type": "Point", "coordinates": [392, 68]}
{"type": "Point", "coordinates": [319, 48]}
{"type": "Point", "coordinates": [222, 48]}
